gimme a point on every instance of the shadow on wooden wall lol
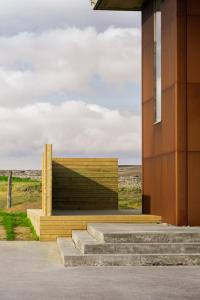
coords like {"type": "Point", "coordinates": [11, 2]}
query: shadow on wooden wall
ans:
{"type": "Point", "coordinates": [84, 184]}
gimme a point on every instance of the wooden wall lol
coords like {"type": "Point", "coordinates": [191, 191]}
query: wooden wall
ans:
{"type": "Point", "coordinates": [49, 228]}
{"type": "Point", "coordinates": [47, 181]}
{"type": "Point", "coordinates": [85, 183]}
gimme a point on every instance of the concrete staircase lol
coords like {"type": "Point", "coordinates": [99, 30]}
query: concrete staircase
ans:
{"type": "Point", "coordinates": [131, 245]}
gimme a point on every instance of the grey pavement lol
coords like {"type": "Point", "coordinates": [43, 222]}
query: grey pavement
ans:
{"type": "Point", "coordinates": [32, 270]}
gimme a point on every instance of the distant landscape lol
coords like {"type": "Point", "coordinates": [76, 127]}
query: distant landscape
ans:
{"type": "Point", "coordinates": [27, 188]}
{"type": "Point", "coordinates": [130, 187]}
{"type": "Point", "coordinates": [26, 194]}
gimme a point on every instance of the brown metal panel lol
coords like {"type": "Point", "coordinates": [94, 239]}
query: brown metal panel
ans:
{"type": "Point", "coordinates": [193, 97]}
{"type": "Point", "coordinates": [147, 120]}
{"type": "Point", "coordinates": [168, 184]}
{"type": "Point", "coordinates": [147, 23]}
{"type": "Point", "coordinates": [168, 120]}
{"type": "Point", "coordinates": [194, 188]}
{"type": "Point", "coordinates": [181, 188]}
{"type": "Point", "coordinates": [152, 137]}
{"type": "Point", "coordinates": [159, 186]}
{"type": "Point", "coordinates": [181, 117]}
{"type": "Point", "coordinates": [193, 50]}
{"type": "Point", "coordinates": [147, 52]}
{"type": "Point", "coordinates": [169, 54]}
{"type": "Point", "coordinates": [148, 75]}
{"type": "Point", "coordinates": [169, 10]}
{"type": "Point", "coordinates": [150, 193]}
{"type": "Point", "coordinates": [193, 111]}
{"type": "Point", "coordinates": [164, 144]}
{"type": "Point", "coordinates": [193, 7]}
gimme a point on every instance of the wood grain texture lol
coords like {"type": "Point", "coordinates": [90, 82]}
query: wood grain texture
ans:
{"type": "Point", "coordinates": [47, 180]}
{"type": "Point", "coordinates": [85, 183]}
{"type": "Point", "coordinates": [51, 227]}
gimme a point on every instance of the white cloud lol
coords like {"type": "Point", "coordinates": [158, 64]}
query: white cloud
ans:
{"type": "Point", "coordinates": [37, 65]}
{"type": "Point", "coordinates": [40, 15]}
{"type": "Point", "coordinates": [73, 127]}
{"type": "Point", "coordinates": [52, 50]}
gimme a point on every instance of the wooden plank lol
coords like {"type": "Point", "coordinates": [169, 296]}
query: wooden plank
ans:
{"type": "Point", "coordinates": [87, 168]}
{"type": "Point", "coordinates": [58, 196]}
{"type": "Point", "coordinates": [93, 194]}
{"type": "Point", "coordinates": [44, 182]}
{"type": "Point", "coordinates": [58, 232]}
{"type": "Point", "coordinates": [84, 206]}
{"type": "Point", "coordinates": [62, 222]}
{"type": "Point", "coordinates": [85, 164]}
{"type": "Point", "coordinates": [83, 180]}
{"type": "Point", "coordinates": [47, 237]}
{"type": "Point", "coordinates": [79, 185]}
{"type": "Point", "coordinates": [90, 175]}
{"type": "Point", "coordinates": [49, 179]}
{"type": "Point", "coordinates": [63, 227]}
{"type": "Point", "coordinates": [85, 191]}
{"type": "Point", "coordinates": [103, 218]}
{"type": "Point", "coordinates": [50, 227]}
{"type": "Point", "coordinates": [35, 220]}
{"type": "Point", "coordinates": [43, 197]}
{"type": "Point", "coordinates": [84, 160]}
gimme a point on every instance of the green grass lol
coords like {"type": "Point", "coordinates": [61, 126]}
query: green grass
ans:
{"type": "Point", "coordinates": [10, 221]}
{"type": "Point", "coordinates": [24, 192]}
{"type": "Point", "coordinates": [17, 179]}
{"type": "Point", "coordinates": [130, 197]}
{"type": "Point", "coordinates": [27, 194]}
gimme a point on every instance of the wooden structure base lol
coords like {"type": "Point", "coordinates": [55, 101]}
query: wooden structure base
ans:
{"type": "Point", "coordinates": [48, 228]}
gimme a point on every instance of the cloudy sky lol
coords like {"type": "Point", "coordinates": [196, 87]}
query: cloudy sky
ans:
{"type": "Point", "coordinates": [69, 76]}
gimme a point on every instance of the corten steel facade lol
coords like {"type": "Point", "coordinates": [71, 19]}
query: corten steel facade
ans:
{"type": "Point", "coordinates": [171, 148]}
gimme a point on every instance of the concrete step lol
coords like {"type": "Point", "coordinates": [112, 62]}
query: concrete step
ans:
{"type": "Point", "coordinates": [142, 233]}
{"type": "Point", "coordinates": [87, 244]}
{"type": "Point", "coordinates": [72, 257]}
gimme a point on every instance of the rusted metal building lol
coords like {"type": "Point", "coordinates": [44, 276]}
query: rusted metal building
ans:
{"type": "Point", "coordinates": [170, 106]}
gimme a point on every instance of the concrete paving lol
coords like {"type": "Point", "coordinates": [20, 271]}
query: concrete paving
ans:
{"type": "Point", "coordinates": [32, 270]}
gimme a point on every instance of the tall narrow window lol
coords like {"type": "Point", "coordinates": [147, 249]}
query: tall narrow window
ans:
{"type": "Point", "coordinates": [157, 59]}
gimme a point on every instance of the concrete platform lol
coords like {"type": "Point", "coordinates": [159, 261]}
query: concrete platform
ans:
{"type": "Point", "coordinates": [143, 233]}
{"type": "Point", "coordinates": [89, 245]}
{"type": "Point", "coordinates": [32, 270]}
{"type": "Point", "coordinates": [131, 245]}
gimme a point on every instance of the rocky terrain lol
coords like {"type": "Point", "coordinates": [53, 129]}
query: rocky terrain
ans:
{"type": "Point", "coordinates": [127, 174]}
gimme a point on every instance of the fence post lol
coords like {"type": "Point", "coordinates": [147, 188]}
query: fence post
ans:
{"type": "Point", "coordinates": [9, 198]}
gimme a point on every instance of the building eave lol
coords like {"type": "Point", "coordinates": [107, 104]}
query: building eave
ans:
{"type": "Point", "coordinates": [134, 5]}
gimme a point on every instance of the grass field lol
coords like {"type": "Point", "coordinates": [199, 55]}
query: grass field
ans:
{"type": "Point", "coordinates": [16, 226]}
{"type": "Point", "coordinates": [26, 194]}
{"type": "Point", "coordinates": [130, 196]}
